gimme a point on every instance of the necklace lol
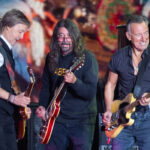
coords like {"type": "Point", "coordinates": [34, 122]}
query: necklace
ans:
{"type": "Point", "coordinates": [136, 68]}
{"type": "Point", "coordinates": [135, 62]}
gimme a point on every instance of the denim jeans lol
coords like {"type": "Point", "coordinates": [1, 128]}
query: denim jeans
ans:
{"type": "Point", "coordinates": [71, 135]}
{"type": "Point", "coordinates": [139, 132]}
{"type": "Point", "coordinates": [37, 125]}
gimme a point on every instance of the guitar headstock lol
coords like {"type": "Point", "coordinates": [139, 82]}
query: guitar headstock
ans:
{"type": "Point", "coordinates": [77, 63]}
{"type": "Point", "coordinates": [31, 74]}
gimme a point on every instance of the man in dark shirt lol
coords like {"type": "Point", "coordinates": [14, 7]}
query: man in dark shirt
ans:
{"type": "Point", "coordinates": [124, 67]}
{"type": "Point", "coordinates": [75, 123]}
{"type": "Point", "coordinates": [13, 25]}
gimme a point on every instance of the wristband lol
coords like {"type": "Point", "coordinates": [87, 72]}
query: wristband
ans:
{"type": "Point", "coordinates": [11, 98]}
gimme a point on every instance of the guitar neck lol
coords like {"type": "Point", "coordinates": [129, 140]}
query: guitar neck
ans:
{"type": "Point", "coordinates": [136, 103]}
{"type": "Point", "coordinates": [57, 93]}
{"type": "Point", "coordinates": [29, 90]}
{"type": "Point", "coordinates": [148, 95]}
{"type": "Point", "coordinates": [60, 88]}
{"type": "Point", "coordinates": [131, 106]}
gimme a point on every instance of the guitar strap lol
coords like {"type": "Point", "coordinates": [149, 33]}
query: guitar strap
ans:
{"type": "Point", "coordinates": [10, 72]}
{"type": "Point", "coordinates": [142, 68]}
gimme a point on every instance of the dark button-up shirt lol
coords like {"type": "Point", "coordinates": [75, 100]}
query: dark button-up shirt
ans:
{"type": "Point", "coordinates": [121, 64]}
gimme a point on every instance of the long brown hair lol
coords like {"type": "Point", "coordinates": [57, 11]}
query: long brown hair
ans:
{"type": "Point", "coordinates": [78, 43]}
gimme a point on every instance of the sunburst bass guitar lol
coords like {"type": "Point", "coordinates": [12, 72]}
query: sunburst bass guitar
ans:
{"type": "Point", "coordinates": [121, 115]}
{"type": "Point", "coordinates": [54, 106]}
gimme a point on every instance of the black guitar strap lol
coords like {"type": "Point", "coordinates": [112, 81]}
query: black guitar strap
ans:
{"type": "Point", "coordinates": [137, 88]}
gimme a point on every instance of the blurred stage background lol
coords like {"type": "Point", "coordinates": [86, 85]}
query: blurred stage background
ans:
{"type": "Point", "coordinates": [96, 19]}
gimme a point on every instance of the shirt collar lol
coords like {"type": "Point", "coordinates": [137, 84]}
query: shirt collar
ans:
{"type": "Point", "coordinates": [8, 44]}
{"type": "Point", "coordinates": [130, 50]}
{"type": "Point", "coordinates": [146, 51]}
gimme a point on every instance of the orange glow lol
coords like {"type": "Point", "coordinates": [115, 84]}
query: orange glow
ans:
{"type": "Point", "coordinates": [40, 1]}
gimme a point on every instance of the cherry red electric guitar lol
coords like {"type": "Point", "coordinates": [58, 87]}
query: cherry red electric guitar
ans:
{"type": "Point", "coordinates": [22, 113]}
{"type": "Point", "coordinates": [54, 106]}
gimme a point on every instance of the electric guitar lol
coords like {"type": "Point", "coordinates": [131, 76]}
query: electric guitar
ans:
{"type": "Point", "coordinates": [121, 115]}
{"type": "Point", "coordinates": [53, 109]}
{"type": "Point", "coordinates": [22, 112]}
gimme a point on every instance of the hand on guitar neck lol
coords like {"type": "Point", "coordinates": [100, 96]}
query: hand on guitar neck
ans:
{"type": "Point", "coordinates": [69, 77]}
{"type": "Point", "coordinates": [21, 100]}
{"type": "Point", "coordinates": [145, 99]}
